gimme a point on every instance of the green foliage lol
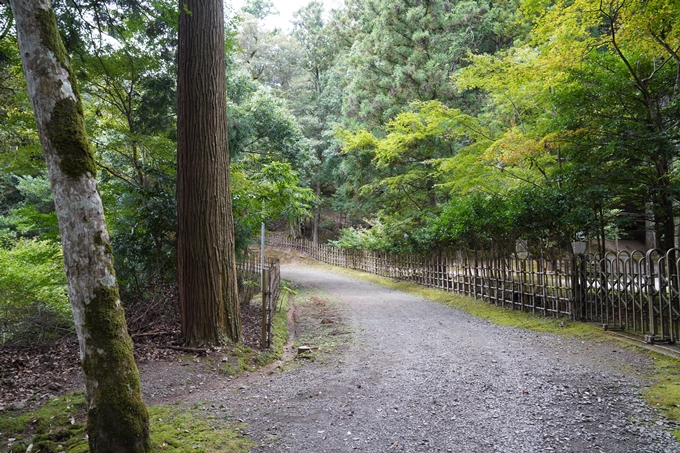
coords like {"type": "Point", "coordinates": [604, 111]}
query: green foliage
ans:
{"type": "Point", "coordinates": [268, 56]}
{"type": "Point", "coordinates": [475, 221]}
{"type": "Point", "coordinates": [33, 298]}
{"type": "Point", "coordinates": [19, 147]}
{"type": "Point", "coordinates": [143, 221]}
{"type": "Point", "coordinates": [373, 238]}
{"type": "Point", "coordinates": [261, 130]}
{"type": "Point", "coordinates": [259, 8]}
{"type": "Point", "coordinates": [412, 167]}
{"type": "Point", "coordinates": [589, 106]}
{"type": "Point", "coordinates": [547, 218]}
{"type": "Point", "coordinates": [130, 110]}
{"type": "Point", "coordinates": [271, 194]}
{"type": "Point", "coordinates": [577, 125]}
{"type": "Point", "coordinates": [28, 208]}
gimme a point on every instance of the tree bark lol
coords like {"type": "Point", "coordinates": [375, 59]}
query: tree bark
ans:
{"type": "Point", "coordinates": [205, 237]}
{"type": "Point", "coordinates": [117, 418]}
{"type": "Point", "coordinates": [317, 211]}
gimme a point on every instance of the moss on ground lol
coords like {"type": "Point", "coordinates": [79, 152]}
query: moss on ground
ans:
{"type": "Point", "coordinates": [664, 394]}
{"type": "Point", "coordinates": [180, 429]}
{"type": "Point", "coordinates": [59, 426]}
{"type": "Point", "coordinates": [243, 358]}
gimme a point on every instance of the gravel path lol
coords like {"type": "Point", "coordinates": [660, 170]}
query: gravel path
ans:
{"type": "Point", "coordinates": [423, 377]}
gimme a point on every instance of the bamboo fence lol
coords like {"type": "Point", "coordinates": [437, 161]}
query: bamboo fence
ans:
{"type": "Point", "coordinates": [637, 292]}
{"type": "Point", "coordinates": [249, 276]}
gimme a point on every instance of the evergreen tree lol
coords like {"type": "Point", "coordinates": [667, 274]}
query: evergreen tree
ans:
{"type": "Point", "coordinates": [407, 50]}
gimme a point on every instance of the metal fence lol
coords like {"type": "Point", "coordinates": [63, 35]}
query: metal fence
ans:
{"type": "Point", "coordinates": [634, 291]}
{"type": "Point", "coordinates": [249, 276]}
{"type": "Point", "coordinates": [637, 292]}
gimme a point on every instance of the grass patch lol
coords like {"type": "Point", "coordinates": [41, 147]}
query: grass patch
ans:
{"type": "Point", "coordinates": [59, 426]}
{"type": "Point", "coordinates": [320, 321]}
{"type": "Point", "coordinates": [243, 358]}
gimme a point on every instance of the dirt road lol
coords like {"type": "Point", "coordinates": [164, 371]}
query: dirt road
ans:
{"type": "Point", "coordinates": [419, 376]}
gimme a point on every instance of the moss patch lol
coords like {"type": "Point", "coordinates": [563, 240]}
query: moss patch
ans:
{"type": "Point", "coordinates": [60, 426]}
{"type": "Point", "coordinates": [66, 132]}
{"type": "Point", "coordinates": [117, 413]}
{"type": "Point", "coordinates": [180, 429]}
{"type": "Point", "coordinates": [242, 358]}
{"type": "Point", "coordinates": [66, 128]}
{"type": "Point", "coordinates": [50, 37]}
{"type": "Point", "coordinates": [664, 394]}
{"type": "Point", "coordinates": [101, 242]}
{"type": "Point", "coordinates": [57, 426]}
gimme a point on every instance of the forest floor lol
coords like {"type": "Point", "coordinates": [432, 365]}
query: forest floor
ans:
{"type": "Point", "coordinates": [389, 371]}
{"type": "Point", "coordinates": [30, 374]}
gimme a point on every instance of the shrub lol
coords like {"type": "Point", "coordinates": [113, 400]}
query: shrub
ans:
{"type": "Point", "coordinates": [33, 296]}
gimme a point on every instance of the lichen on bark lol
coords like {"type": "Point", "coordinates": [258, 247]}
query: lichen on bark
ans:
{"type": "Point", "coordinates": [49, 36]}
{"type": "Point", "coordinates": [117, 418]}
{"type": "Point", "coordinates": [66, 128]}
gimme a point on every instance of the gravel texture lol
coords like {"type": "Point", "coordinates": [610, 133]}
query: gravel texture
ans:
{"type": "Point", "coordinates": [418, 376]}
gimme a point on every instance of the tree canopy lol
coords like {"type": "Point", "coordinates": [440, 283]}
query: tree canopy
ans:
{"type": "Point", "coordinates": [414, 124]}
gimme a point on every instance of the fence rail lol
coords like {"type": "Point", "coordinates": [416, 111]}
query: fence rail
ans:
{"type": "Point", "coordinates": [249, 275]}
{"type": "Point", "coordinates": [638, 292]}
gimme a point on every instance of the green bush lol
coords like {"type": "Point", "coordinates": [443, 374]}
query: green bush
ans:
{"type": "Point", "coordinates": [374, 238]}
{"type": "Point", "coordinates": [33, 297]}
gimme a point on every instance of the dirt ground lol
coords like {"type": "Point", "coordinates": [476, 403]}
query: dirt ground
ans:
{"type": "Point", "coordinates": [31, 374]}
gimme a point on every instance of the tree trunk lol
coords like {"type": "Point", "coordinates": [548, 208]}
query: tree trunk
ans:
{"type": "Point", "coordinates": [205, 235]}
{"type": "Point", "coordinates": [650, 228]}
{"type": "Point", "coordinates": [317, 211]}
{"type": "Point", "coordinates": [117, 418]}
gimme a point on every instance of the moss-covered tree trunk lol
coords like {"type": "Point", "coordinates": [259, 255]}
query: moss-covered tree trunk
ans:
{"type": "Point", "coordinates": [205, 235]}
{"type": "Point", "coordinates": [117, 417]}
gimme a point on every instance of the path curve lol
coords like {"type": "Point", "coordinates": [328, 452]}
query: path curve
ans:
{"type": "Point", "coordinates": [424, 377]}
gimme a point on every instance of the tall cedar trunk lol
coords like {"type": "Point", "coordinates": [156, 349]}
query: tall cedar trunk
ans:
{"type": "Point", "coordinates": [205, 235]}
{"type": "Point", "coordinates": [117, 418]}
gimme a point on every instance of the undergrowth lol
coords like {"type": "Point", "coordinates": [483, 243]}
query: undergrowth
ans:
{"type": "Point", "coordinates": [59, 426]}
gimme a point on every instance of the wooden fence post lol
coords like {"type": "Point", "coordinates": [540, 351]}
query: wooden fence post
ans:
{"type": "Point", "coordinates": [265, 291]}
